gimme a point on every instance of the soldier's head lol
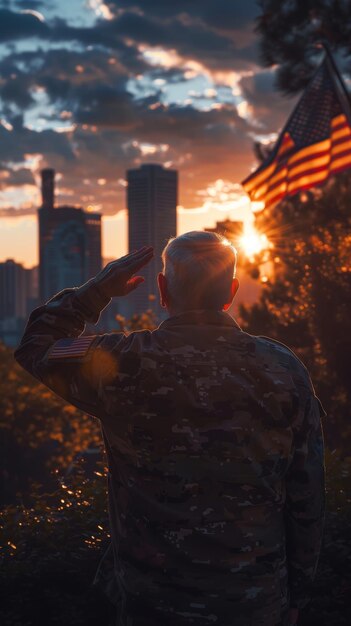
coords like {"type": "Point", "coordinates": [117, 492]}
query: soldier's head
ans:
{"type": "Point", "coordinates": [198, 273]}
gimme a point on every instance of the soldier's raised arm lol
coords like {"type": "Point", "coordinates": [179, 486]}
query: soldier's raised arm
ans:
{"type": "Point", "coordinates": [53, 348]}
{"type": "Point", "coordinates": [305, 497]}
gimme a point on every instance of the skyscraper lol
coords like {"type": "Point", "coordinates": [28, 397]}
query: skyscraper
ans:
{"type": "Point", "coordinates": [13, 290]}
{"type": "Point", "coordinates": [152, 198]}
{"type": "Point", "coordinates": [69, 243]}
{"type": "Point", "coordinates": [48, 188]}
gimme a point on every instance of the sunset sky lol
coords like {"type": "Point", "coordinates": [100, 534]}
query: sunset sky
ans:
{"type": "Point", "coordinates": [92, 88]}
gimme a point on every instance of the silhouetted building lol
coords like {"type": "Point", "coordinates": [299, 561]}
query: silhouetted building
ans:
{"type": "Point", "coordinates": [13, 290]}
{"type": "Point", "coordinates": [32, 288]}
{"type": "Point", "coordinates": [152, 198]}
{"type": "Point", "coordinates": [17, 298]}
{"type": "Point", "coordinates": [48, 188]}
{"type": "Point", "coordinates": [69, 243]}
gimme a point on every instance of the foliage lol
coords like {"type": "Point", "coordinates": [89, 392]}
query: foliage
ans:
{"type": "Point", "coordinates": [138, 321]}
{"type": "Point", "coordinates": [39, 431]}
{"type": "Point", "coordinates": [288, 31]}
{"type": "Point", "coordinates": [50, 552]}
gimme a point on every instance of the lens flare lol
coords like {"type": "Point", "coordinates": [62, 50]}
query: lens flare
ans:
{"type": "Point", "coordinates": [252, 242]}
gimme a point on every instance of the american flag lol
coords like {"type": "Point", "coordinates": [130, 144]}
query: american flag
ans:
{"type": "Point", "coordinates": [67, 348]}
{"type": "Point", "coordinates": [315, 143]}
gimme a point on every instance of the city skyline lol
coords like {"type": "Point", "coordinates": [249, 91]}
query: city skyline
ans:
{"type": "Point", "coordinates": [70, 249]}
{"type": "Point", "coordinates": [114, 228]}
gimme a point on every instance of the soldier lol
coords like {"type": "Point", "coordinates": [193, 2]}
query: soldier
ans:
{"type": "Point", "coordinates": [213, 438]}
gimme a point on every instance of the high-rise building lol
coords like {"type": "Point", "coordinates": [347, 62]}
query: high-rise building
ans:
{"type": "Point", "coordinates": [17, 299]}
{"type": "Point", "coordinates": [32, 288]}
{"type": "Point", "coordinates": [48, 188]}
{"type": "Point", "coordinates": [152, 197]}
{"type": "Point", "coordinates": [13, 290]}
{"type": "Point", "coordinates": [69, 243]}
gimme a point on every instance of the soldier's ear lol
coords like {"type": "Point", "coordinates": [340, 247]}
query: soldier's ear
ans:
{"type": "Point", "coordinates": [162, 286]}
{"type": "Point", "coordinates": [233, 289]}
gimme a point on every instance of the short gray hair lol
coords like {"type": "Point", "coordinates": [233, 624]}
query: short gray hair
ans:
{"type": "Point", "coordinates": [199, 267]}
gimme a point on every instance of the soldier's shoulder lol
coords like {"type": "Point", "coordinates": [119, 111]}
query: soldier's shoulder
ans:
{"type": "Point", "coordinates": [280, 353]}
{"type": "Point", "coordinates": [128, 339]}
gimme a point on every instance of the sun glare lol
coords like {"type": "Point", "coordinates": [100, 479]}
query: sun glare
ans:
{"type": "Point", "coordinates": [252, 242]}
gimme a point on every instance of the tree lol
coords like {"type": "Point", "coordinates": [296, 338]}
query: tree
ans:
{"type": "Point", "coordinates": [289, 30]}
{"type": "Point", "coordinates": [306, 301]}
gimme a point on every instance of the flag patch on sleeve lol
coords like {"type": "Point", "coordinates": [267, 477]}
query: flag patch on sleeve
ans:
{"type": "Point", "coordinates": [69, 348]}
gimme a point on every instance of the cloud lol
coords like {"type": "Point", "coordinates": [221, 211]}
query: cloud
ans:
{"type": "Point", "coordinates": [15, 144]}
{"type": "Point", "coordinates": [270, 110]}
{"type": "Point", "coordinates": [233, 14]}
{"type": "Point", "coordinates": [82, 77]}
{"type": "Point", "coordinates": [103, 105]}
{"type": "Point", "coordinates": [20, 25]}
{"type": "Point", "coordinates": [17, 212]}
{"type": "Point", "coordinates": [194, 40]}
{"type": "Point", "coordinates": [18, 177]}
{"type": "Point", "coordinates": [34, 4]}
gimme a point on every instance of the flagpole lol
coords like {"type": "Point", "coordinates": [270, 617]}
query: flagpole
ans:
{"type": "Point", "coordinates": [336, 73]}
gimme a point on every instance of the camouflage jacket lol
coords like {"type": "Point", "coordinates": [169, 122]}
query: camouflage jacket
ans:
{"type": "Point", "coordinates": [215, 452]}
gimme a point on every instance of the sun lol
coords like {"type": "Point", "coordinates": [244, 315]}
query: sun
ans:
{"type": "Point", "coordinates": [252, 242]}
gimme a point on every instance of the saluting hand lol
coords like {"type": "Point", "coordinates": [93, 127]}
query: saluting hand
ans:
{"type": "Point", "coordinates": [117, 278]}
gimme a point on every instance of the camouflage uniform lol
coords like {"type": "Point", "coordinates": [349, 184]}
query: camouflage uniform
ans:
{"type": "Point", "coordinates": [216, 460]}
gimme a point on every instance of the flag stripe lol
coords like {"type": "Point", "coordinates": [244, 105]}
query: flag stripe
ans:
{"type": "Point", "coordinates": [307, 186]}
{"type": "Point", "coordinates": [340, 147]}
{"type": "Point", "coordinates": [343, 132]}
{"type": "Point", "coordinates": [273, 182]}
{"type": "Point", "coordinates": [278, 189]}
{"type": "Point", "coordinates": [275, 199]}
{"type": "Point", "coordinates": [320, 147]}
{"type": "Point", "coordinates": [336, 142]}
{"type": "Point", "coordinates": [339, 119]}
{"type": "Point", "coordinates": [313, 154]}
{"type": "Point", "coordinates": [342, 160]}
{"type": "Point", "coordinates": [308, 173]}
{"type": "Point", "coordinates": [256, 179]}
{"type": "Point", "coordinates": [316, 162]}
{"type": "Point", "coordinates": [341, 167]}
{"type": "Point", "coordinates": [336, 127]}
{"type": "Point", "coordinates": [277, 185]}
{"type": "Point", "coordinates": [305, 181]}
